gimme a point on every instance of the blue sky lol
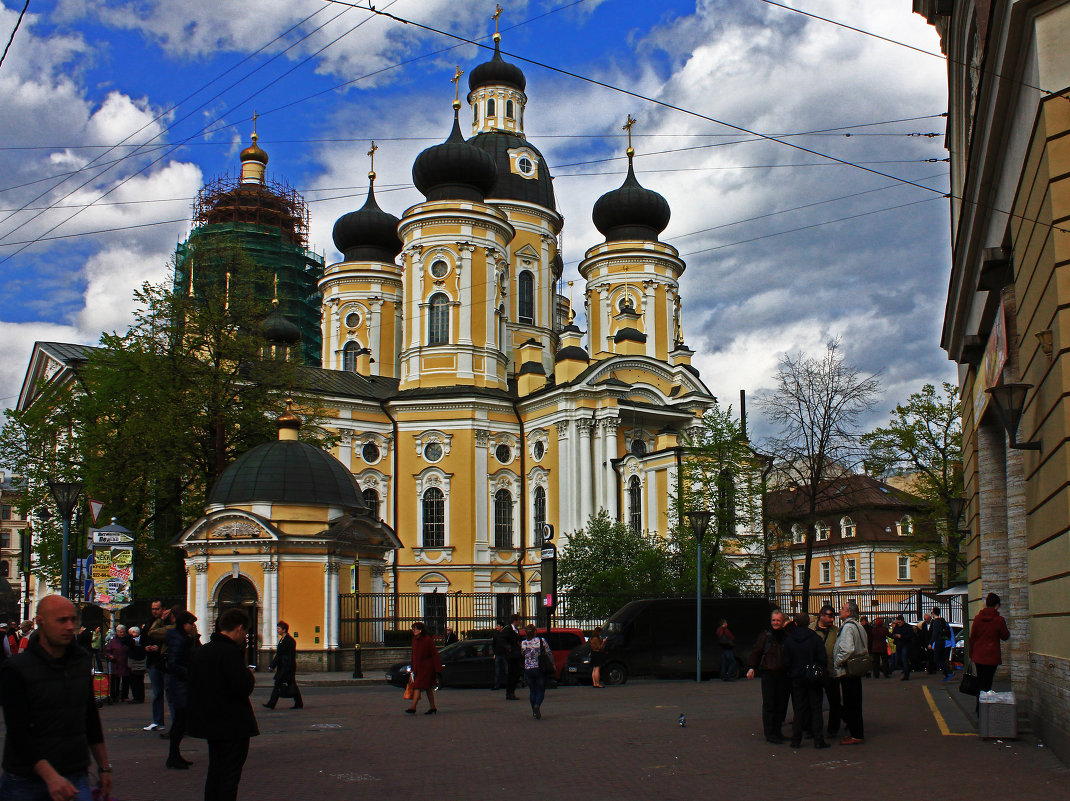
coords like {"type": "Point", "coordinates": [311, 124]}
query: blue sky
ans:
{"type": "Point", "coordinates": [784, 248]}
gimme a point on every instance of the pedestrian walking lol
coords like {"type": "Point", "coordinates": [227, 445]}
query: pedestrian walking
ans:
{"type": "Point", "coordinates": [851, 642]}
{"type": "Point", "coordinates": [181, 641]}
{"type": "Point", "coordinates": [155, 639]}
{"type": "Point", "coordinates": [533, 647]}
{"type": "Point", "coordinates": [727, 642]}
{"type": "Point", "coordinates": [220, 684]}
{"type": "Point", "coordinates": [878, 648]}
{"type": "Point", "coordinates": [425, 663]}
{"type": "Point", "coordinates": [988, 630]}
{"type": "Point", "coordinates": [500, 648]}
{"type": "Point", "coordinates": [903, 636]}
{"type": "Point", "coordinates": [825, 628]}
{"type": "Point", "coordinates": [96, 643]}
{"type": "Point", "coordinates": [284, 663]}
{"type": "Point", "coordinates": [598, 656]}
{"type": "Point", "coordinates": [51, 717]}
{"type": "Point", "coordinates": [939, 635]}
{"type": "Point", "coordinates": [767, 659]}
{"type": "Point", "coordinates": [115, 654]}
{"type": "Point", "coordinates": [806, 662]}
{"type": "Point", "coordinates": [137, 660]}
{"type": "Point", "coordinates": [514, 657]}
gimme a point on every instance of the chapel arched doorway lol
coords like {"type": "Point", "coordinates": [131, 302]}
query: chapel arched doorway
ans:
{"type": "Point", "coordinates": [241, 593]}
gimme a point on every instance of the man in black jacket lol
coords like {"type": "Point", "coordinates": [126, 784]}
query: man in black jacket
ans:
{"type": "Point", "coordinates": [284, 664]}
{"type": "Point", "coordinates": [938, 637]}
{"type": "Point", "coordinates": [767, 659]}
{"type": "Point", "coordinates": [514, 656]}
{"type": "Point", "coordinates": [803, 652]}
{"type": "Point", "coordinates": [220, 684]}
{"type": "Point", "coordinates": [52, 720]}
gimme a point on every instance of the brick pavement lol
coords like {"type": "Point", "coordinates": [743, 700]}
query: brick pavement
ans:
{"type": "Point", "coordinates": [618, 743]}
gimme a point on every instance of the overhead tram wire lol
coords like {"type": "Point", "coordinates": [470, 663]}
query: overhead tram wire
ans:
{"type": "Point", "coordinates": [138, 151]}
{"type": "Point", "coordinates": [179, 144]}
{"type": "Point", "coordinates": [14, 30]}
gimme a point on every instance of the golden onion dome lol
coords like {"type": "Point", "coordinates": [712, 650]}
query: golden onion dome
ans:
{"type": "Point", "coordinates": [254, 152]}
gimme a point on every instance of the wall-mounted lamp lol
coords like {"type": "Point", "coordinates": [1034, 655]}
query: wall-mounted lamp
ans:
{"type": "Point", "coordinates": [1009, 402]}
{"type": "Point", "coordinates": [1045, 340]}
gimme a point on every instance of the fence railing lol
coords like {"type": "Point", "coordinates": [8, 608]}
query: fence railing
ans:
{"type": "Point", "coordinates": [911, 604]}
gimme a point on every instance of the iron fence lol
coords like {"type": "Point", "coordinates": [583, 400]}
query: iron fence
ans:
{"type": "Point", "coordinates": [912, 604]}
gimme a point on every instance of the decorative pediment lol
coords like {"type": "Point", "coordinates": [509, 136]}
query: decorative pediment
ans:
{"type": "Point", "coordinates": [226, 527]}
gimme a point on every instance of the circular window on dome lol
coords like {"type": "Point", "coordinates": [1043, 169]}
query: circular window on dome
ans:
{"type": "Point", "coordinates": [352, 320]}
{"type": "Point", "coordinates": [504, 454]}
{"type": "Point", "coordinates": [439, 268]}
{"type": "Point", "coordinates": [539, 450]}
{"type": "Point", "coordinates": [638, 447]}
{"type": "Point", "coordinates": [525, 166]}
{"type": "Point", "coordinates": [433, 451]}
{"type": "Point", "coordinates": [370, 452]}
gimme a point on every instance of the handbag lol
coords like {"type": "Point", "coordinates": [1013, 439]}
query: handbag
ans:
{"type": "Point", "coordinates": [137, 665]}
{"type": "Point", "coordinates": [814, 675]}
{"type": "Point", "coordinates": [286, 690]}
{"type": "Point", "coordinates": [410, 690]}
{"type": "Point", "coordinates": [970, 684]}
{"type": "Point", "coordinates": [858, 665]}
{"type": "Point", "coordinates": [546, 661]}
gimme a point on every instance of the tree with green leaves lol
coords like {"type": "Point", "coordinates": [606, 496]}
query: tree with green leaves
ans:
{"type": "Point", "coordinates": [924, 440]}
{"type": "Point", "coordinates": [155, 414]}
{"type": "Point", "coordinates": [719, 474]}
{"type": "Point", "coordinates": [817, 403]}
{"type": "Point", "coordinates": [608, 563]}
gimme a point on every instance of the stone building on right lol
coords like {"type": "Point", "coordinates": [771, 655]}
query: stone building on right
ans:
{"type": "Point", "coordinates": [1007, 325]}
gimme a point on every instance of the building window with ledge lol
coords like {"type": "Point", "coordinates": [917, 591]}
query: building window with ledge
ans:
{"type": "Point", "coordinates": [434, 522]}
{"type": "Point", "coordinates": [526, 298]}
{"type": "Point", "coordinates": [904, 568]}
{"type": "Point", "coordinates": [852, 570]}
{"type": "Point", "coordinates": [509, 109]}
{"type": "Point", "coordinates": [503, 519]}
{"type": "Point", "coordinates": [635, 504]}
{"type": "Point", "coordinates": [438, 320]}
{"type": "Point", "coordinates": [798, 536]}
{"type": "Point", "coordinates": [800, 574]}
{"type": "Point", "coordinates": [435, 611]}
{"type": "Point", "coordinates": [847, 528]}
{"type": "Point", "coordinates": [826, 572]}
{"type": "Point", "coordinates": [490, 107]}
{"type": "Point", "coordinates": [349, 356]}
{"type": "Point", "coordinates": [905, 527]}
{"type": "Point", "coordinates": [371, 500]}
{"type": "Point", "coordinates": [539, 512]}
{"type": "Point", "coordinates": [821, 531]}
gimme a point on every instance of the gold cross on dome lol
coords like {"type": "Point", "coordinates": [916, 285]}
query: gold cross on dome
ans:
{"type": "Point", "coordinates": [456, 81]}
{"type": "Point", "coordinates": [372, 154]}
{"type": "Point", "coordinates": [497, 13]}
{"type": "Point", "coordinates": [255, 118]}
{"type": "Point", "coordinates": [628, 127]}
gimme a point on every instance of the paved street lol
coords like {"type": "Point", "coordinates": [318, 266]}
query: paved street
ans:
{"type": "Point", "coordinates": [619, 743]}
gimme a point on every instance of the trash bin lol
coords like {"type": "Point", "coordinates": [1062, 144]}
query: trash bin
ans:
{"type": "Point", "coordinates": [996, 716]}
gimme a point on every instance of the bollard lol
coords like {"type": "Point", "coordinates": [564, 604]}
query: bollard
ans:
{"type": "Point", "coordinates": [357, 672]}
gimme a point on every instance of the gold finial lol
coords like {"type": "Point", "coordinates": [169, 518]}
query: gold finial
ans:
{"type": "Point", "coordinates": [275, 300]}
{"type": "Point", "coordinates": [191, 278]}
{"type": "Point", "coordinates": [371, 153]}
{"type": "Point", "coordinates": [255, 118]}
{"type": "Point", "coordinates": [497, 13]}
{"type": "Point", "coordinates": [571, 308]}
{"type": "Point", "coordinates": [226, 297]}
{"type": "Point", "coordinates": [456, 81]}
{"type": "Point", "coordinates": [628, 127]}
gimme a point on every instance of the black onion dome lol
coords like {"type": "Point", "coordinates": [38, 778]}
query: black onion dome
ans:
{"type": "Point", "coordinates": [454, 170]}
{"type": "Point", "coordinates": [287, 471]}
{"type": "Point", "coordinates": [497, 72]}
{"type": "Point", "coordinates": [277, 329]}
{"type": "Point", "coordinates": [368, 234]}
{"type": "Point", "coordinates": [631, 212]}
{"type": "Point", "coordinates": [511, 185]}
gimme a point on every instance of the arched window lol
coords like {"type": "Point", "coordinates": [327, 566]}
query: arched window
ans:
{"type": "Point", "coordinates": [503, 519]}
{"type": "Point", "coordinates": [434, 527]}
{"type": "Point", "coordinates": [821, 530]}
{"type": "Point", "coordinates": [635, 504]}
{"type": "Point", "coordinates": [798, 535]}
{"type": "Point", "coordinates": [490, 107]}
{"type": "Point", "coordinates": [438, 323]}
{"type": "Point", "coordinates": [905, 527]}
{"type": "Point", "coordinates": [726, 503]}
{"type": "Point", "coordinates": [349, 356]}
{"type": "Point", "coordinates": [371, 500]}
{"type": "Point", "coordinates": [847, 528]}
{"type": "Point", "coordinates": [540, 512]}
{"type": "Point", "coordinates": [475, 115]}
{"type": "Point", "coordinates": [527, 297]}
{"type": "Point", "coordinates": [509, 109]}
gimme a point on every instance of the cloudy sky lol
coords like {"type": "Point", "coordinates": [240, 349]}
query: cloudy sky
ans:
{"type": "Point", "coordinates": [116, 111]}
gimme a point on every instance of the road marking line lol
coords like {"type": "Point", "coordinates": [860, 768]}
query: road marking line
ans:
{"type": "Point", "coordinates": [944, 730]}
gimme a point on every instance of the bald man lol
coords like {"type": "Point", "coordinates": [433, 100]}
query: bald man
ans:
{"type": "Point", "coordinates": [52, 720]}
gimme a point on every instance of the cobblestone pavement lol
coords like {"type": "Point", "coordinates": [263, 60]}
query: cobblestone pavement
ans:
{"type": "Point", "coordinates": [618, 743]}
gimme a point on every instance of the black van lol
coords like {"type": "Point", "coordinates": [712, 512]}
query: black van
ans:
{"type": "Point", "coordinates": [656, 637]}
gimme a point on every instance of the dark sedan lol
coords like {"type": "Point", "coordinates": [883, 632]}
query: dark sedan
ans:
{"type": "Point", "coordinates": [468, 663]}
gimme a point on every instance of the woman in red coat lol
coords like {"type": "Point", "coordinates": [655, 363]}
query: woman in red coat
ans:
{"type": "Point", "coordinates": [425, 664]}
{"type": "Point", "coordinates": [988, 629]}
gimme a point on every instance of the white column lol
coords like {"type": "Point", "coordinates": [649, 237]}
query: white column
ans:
{"type": "Point", "coordinates": [603, 321]}
{"type": "Point", "coordinates": [566, 480]}
{"type": "Point", "coordinates": [345, 449]}
{"type": "Point", "coordinates": [609, 441]}
{"type": "Point", "coordinates": [597, 458]}
{"type": "Point", "coordinates": [200, 582]}
{"type": "Point", "coordinates": [271, 603]}
{"type": "Point", "coordinates": [375, 336]}
{"type": "Point", "coordinates": [332, 606]}
{"type": "Point", "coordinates": [586, 486]}
{"type": "Point", "coordinates": [482, 540]}
{"type": "Point", "coordinates": [653, 336]}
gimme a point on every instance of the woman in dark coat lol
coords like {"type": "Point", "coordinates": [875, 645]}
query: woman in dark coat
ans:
{"type": "Point", "coordinates": [135, 658]}
{"type": "Point", "coordinates": [181, 640]}
{"type": "Point", "coordinates": [425, 664]}
{"type": "Point", "coordinates": [115, 652]}
{"type": "Point", "coordinates": [284, 663]}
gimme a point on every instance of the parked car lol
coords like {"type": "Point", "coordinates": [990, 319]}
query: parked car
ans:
{"type": "Point", "coordinates": [656, 637]}
{"type": "Point", "coordinates": [470, 663]}
{"type": "Point", "coordinates": [919, 654]}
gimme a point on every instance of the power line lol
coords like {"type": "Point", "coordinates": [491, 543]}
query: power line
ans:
{"type": "Point", "coordinates": [14, 30]}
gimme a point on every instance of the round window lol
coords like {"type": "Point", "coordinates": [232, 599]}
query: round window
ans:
{"type": "Point", "coordinates": [433, 451]}
{"type": "Point", "coordinates": [504, 454]}
{"type": "Point", "coordinates": [525, 165]}
{"type": "Point", "coordinates": [370, 452]}
{"type": "Point", "coordinates": [352, 320]}
{"type": "Point", "coordinates": [638, 447]}
{"type": "Point", "coordinates": [439, 269]}
{"type": "Point", "coordinates": [539, 450]}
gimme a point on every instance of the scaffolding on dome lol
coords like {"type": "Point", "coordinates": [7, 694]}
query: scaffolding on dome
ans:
{"type": "Point", "coordinates": [228, 199]}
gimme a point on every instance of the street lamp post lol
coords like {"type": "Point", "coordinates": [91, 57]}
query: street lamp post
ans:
{"type": "Point", "coordinates": [700, 521]}
{"type": "Point", "coordinates": [66, 495]}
